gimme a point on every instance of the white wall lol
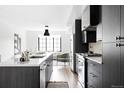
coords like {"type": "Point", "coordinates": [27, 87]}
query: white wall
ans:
{"type": "Point", "coordinates": [76, 13]}
{"type": "Point", "coordinates": [31, 37]}
{"type": "Point", "coordinates": [7, 40]}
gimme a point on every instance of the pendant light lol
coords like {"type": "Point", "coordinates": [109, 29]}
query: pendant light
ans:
{"type": "Point", "coordinates": [46, 33]}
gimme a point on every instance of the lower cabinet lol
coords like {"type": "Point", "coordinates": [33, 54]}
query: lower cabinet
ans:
{"type": "Point", "coordinates": [19, 77]}
{"type": "Point", "coordinates": [43, 75]}
{"type": "Point", "coordinates": [46, 71]}
{"type": "Point", "coordinates": [49, 69]}
{"type": "Point", "coordinates": [111, 65]}
{"type": "Point", "coordinates": [27, 76]}
{"type": "Point", "coordinates": [94, 74]}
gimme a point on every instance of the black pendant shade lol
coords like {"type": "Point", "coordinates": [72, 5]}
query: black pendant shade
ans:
{"type": "Point", "coordinates": [46, 33]}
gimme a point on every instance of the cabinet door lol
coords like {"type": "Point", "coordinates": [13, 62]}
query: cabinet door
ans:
{"type": "Point", "coordinates": [111, 22]}
{"type": "Point", "coordinates": [122, 65]}
{"type": "Point", "coordinates": [111, 65]}
{"type": "Point", "coordinates": [42, 77]}
{"type": "Point", "coordinates": [94, 74]}
{"type": "Point", "coordinates": [122, 22]}
{"type": "Point", "coordinates": [122, 47]}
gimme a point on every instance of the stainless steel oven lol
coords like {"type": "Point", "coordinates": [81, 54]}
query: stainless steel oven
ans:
{"type": "Point", "coordinates": [81, 69]}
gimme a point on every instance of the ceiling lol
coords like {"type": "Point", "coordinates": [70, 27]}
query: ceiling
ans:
{"type": "Point", "coordinates": [31, 16]}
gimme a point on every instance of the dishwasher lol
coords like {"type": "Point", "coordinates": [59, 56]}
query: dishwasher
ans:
{"type": "Point", "coordinates": [42, 75]}
{"type": "Point", "coordinates": [81, 69]}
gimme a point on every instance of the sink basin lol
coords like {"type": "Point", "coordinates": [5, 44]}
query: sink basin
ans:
{"type": "Point", "coordinates": [36, 56]}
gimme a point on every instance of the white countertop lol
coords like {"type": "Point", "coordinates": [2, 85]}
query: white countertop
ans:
{"type": "Point", "coordinates": [95, 59]}
{"type": "Point", "coordinates": [31, 62]}
{"type": "Point", "coordinates": [92, 58]}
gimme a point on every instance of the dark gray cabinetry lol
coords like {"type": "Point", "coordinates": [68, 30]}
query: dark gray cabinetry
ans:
{"type": "Point", "coordinates": [122, 46]}
{"type": "Point", "coordinates": [19, 77]}
{"type": "Point", "coordinates": [26, 76]}
{"type": "Point", "coordinates": [111, 65]}
{"type": "Point", "coordinates": [94, 74]}
{"type": "Point", "coordinates": [122, 23]}
{"type": "Point", "coordinates": [113, 32]}
{"type": "Point", "coordinates": [111, 22]}
{"type": "Point", "coordinates": [122, 65]}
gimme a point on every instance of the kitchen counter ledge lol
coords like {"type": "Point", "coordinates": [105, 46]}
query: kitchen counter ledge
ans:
{"type": "Point", "coordinates": [32, 62]}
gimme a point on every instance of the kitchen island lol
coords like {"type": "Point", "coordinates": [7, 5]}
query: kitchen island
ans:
{"type": "Point", "coordinates": [34, 73]}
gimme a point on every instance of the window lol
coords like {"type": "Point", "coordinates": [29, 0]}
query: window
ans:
{"type": "Point", "coordinates": [49, 43]}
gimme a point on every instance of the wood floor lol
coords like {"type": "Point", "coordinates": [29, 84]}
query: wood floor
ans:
{"type": "Point", "coordinates": [64, 73]}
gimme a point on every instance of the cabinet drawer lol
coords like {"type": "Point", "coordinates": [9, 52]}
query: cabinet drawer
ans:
{"type": "Point", "coordinates": [91, 86]}
{"type": "Point", "coordinates": [94, 81]}
{"type": "Point", "coordinates": [95, 67]}
{"type": "Point", "coordinates": [94, 73]}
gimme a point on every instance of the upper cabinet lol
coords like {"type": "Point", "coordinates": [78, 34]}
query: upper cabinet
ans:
{"type": "Point", "coordinates": [111, 23]}
{"type": "Point", "coordinates": [90, 16]}
{"type": "Point", "coordinates": [122, 23]}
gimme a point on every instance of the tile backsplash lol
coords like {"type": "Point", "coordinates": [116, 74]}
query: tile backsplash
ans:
{"type": "Point", "coordinates": [96, 47]}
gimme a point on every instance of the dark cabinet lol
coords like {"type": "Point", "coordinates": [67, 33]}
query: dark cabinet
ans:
{"type": "Point", "coordinates": [122, 46]}
{"type": "Point", "coordinates": [122, 65]}
{"type": "Point", "coordinates": [122, 23]}
{"type": "Point", "coordinates": [113, 32]}
{"type": "Point", "coordinates": [26, 76]}
{"type": "Point", "coordinates": [111, 22]}
{"type": "Point", "coordinates": [90, 16]}
{"type": "Point", "coordinates": [19, 77]}
{"type": "Point", "coordinates": [111, 65]}
{"type": "Point", "coordinates": [94, 74]}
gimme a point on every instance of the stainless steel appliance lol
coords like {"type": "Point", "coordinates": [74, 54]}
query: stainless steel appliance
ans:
{"type": "Point", "coordinates": [88, 36]}
{"type": "Point", "coordinates": [81, 68]}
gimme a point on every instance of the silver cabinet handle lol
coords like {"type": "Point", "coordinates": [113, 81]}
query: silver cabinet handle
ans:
{"type": "Point", "coordinates": [121, 45]}
{"type": "Point", "coordinates": [117, 45]}
{"type": "Point", "coordinates": [117, 37]}
{"type": "Point", "coordinates": [121, 38]}
{"type": "Point", "coordinates": [93, 75]}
